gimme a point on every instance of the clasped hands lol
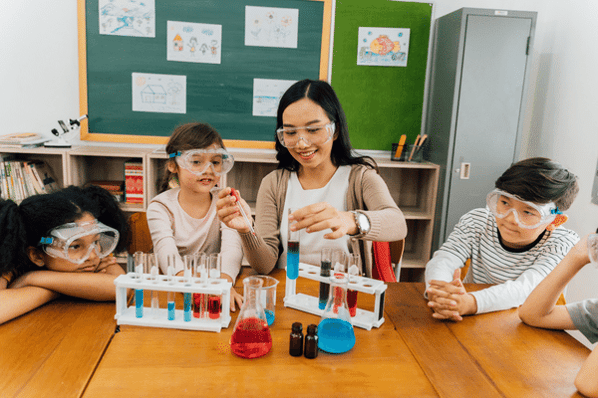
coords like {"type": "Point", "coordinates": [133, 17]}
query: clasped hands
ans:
{"type": "Point", "coordinates": [450, 300]}
{"type": "Point", "coordinates": [312, 218]}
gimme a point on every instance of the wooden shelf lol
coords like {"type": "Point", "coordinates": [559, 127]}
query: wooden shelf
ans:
{"type": "Point", "coordinates": [413, 186]}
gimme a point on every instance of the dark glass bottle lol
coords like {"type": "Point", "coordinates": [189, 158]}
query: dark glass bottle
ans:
{"type": "Point", "coordinates": [296, 341]}
{"type": "Point", "coordinates": [311, 342]}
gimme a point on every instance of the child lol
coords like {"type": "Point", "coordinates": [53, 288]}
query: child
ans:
{"type": "Point", "coordinates": [183, 220]}
{"type": "Point", "coordinates": [59, 243]}
{"type": "Point", "coordinates": [540, 310]}
{"type": "Point", "coordinates": [338, 195]}
{"type": "Point", "coordinates": [514, 242]}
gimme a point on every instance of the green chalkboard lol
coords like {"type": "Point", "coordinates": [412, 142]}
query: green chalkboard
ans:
{"type": "Point", "coordinates": [218, 94]}
{"type": "Point", "coordinates": [381, 102]}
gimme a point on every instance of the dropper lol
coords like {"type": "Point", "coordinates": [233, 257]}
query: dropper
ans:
{"type": "Point", "coordinates": [234, 192]}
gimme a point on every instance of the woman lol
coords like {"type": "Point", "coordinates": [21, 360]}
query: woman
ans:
{"type": "Point", "coordinates": [335, 196]}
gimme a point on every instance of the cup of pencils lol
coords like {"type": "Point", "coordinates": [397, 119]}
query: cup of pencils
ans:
{"type": "Point", "coordinates": [403, 152]}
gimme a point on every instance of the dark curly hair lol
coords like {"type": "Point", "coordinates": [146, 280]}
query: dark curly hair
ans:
{"type": "Point", "coordinates": [540, 180]}
{"type": "Point", "coordinates": [24, 225]}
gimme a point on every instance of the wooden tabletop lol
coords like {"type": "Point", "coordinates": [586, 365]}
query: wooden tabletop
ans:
{"type": "Point", "coordinates": [68, 348]}
{"type": "Point", "coordinates": [53, 350]}
{"type": "Point", "coordinates": [487, 355]}
{"type": "Point", "coordinates": [152, 361]}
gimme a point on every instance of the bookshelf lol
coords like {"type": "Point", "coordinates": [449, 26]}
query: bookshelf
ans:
{"type": "Point", "coordinates": [413, 186]}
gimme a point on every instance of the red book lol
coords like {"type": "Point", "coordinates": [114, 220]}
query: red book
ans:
{"type": "Point", "coordinates": [133, 181]}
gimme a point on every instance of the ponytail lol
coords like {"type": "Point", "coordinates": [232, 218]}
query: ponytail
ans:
{"type": "Point", "coordinates": [13, 239]}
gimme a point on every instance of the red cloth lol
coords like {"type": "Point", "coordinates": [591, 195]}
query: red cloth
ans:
{"type": "Point", "coordinates": [382, 269]}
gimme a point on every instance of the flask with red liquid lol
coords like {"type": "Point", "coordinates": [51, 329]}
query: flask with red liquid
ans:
{"type": "Point", "coordinates": [251, 337]}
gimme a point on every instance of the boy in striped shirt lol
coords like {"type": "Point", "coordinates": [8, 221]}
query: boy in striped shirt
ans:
{"type": "Point", "coordinates": [513, 243]}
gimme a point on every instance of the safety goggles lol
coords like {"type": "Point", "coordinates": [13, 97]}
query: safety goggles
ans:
{"type": "Point", "coordinates": [74, 242]}
{"type": "Point", "coordinates": [317, 135]}
{"type": "Point", "coordinates": [527, 214]}
{"type": "Point", "coordinates": [593, 249]}
{"type": "Point", "coordinates": [198, 161]}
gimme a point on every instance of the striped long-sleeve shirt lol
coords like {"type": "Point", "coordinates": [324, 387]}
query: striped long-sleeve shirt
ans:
{"type": "Point", "coordinates": [515, 272]}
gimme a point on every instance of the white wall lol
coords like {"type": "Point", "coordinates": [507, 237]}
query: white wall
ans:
{"type": "Point", "coordinates": [39, 84]}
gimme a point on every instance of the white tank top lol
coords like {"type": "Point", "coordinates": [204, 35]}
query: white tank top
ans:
{"type": "Point", "coordinates": [335, 193]}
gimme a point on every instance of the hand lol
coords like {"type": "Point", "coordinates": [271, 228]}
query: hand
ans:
{"type": "Point", "coordinates": [449, 300]}
{"type": "Point", "coordinates": [321, 216]}
{"type": "Point", "coordinates": [105, 263]}
{"type": "Point", "coordinates": [235, 297]}
{"type": "Point", "coordinates": [228, 211]}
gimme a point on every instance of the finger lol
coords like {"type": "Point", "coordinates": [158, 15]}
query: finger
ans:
{"type": "Point", "coordinates": [308, 211]}
{"type": "Point", "coordinates": [224, 193]}
{"type": "Point", "coordinates": [457, 274]}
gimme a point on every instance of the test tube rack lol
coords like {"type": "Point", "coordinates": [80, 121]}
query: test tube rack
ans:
{"type": "Point", "coordinates": [363, 318]}
{"type": "Point", "coordinates": [159, 317]}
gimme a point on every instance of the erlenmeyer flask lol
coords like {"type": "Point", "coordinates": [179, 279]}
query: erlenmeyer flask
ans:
{"type": "Point", "coordinates": [335, 331]}
{"type": "Point", "coordinates": [251, 337]}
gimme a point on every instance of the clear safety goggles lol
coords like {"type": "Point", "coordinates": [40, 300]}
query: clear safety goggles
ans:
{"type": "Point", "coordinates": [317, 135]}
{"type": "Point", "coordinates": [593, 249]}
{"type": "Point", "coordinates": [198, 161]}
{"type": "Point", "coordinates": [74, 242]}
{"type": "Point", "coordinates": [527, 214]}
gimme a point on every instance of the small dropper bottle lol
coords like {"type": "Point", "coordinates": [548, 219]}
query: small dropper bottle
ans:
{"type": "Point", "coordinates": [296, 340]}
{"type": "Point", "coordinates": [311, 342]}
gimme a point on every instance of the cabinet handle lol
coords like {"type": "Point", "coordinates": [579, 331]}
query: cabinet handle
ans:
{"type": "Point", "coordinates": [464, 171]}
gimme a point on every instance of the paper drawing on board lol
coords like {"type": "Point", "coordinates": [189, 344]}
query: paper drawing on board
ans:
{"type": "Point", "coordinates": [383, 46]}
{"type": "Point", "coordinates": [193, 42]}
{"type": "Point", "coordinates": [127, 17]}
{"type": "Point", "coordinates": [271, 27]}
{"type": "Point", "coordinates": [159, 93]}
{"type": "Point", "coordinates": [266, 95]}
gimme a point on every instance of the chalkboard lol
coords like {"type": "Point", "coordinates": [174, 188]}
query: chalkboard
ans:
{"type": "Point", "coordinates": [381, 102]}
{"type": "Point", "coordinates": [218, 94]}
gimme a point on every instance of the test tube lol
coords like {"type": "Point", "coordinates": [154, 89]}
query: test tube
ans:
{"type": "Point", "coordinates": [189, 261]}
{"type": "Point", "coordinates": [354, 263]}
{"type": "Point", "coordinates": [292, 252]}
{"type": "Point", "coordinates": [200, 275]}
{"type": "Point", "coordinates": [152, 265]}
{"type": "Point", "coordinates": [139, 264]}
{"type": "Point", "coordinates": [214, 266]}
{"type": "Point", "coordinates": [170, 261]}
{"type": "Point", "coordinates": [325, 266]}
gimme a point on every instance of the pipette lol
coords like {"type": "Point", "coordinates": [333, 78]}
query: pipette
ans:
{"type": "Point", "coordinates": [234, 192]}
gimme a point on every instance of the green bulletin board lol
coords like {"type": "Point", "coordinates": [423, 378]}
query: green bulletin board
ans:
{"type": "Point", "coordinates": [381, 103]}
{"type": "Point", "coordinates": [218, 94]}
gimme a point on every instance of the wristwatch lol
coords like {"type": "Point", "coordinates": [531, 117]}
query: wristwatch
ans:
{"type": "Point", "coordinates": [363, 223]}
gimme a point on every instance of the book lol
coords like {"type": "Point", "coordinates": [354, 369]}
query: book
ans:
{"type": "Point", "coordinates": [46, 176]}
{"type": "Point", "coordinates": [23, 140]}
{"type": "Point", "coordinates": [109, 185]}
{"type": "Point", "coordinates": [133, 181]}
{"type": "Point", "coordinates": [35, 183]}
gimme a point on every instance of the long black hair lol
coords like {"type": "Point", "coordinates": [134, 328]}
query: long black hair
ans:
{"type": "Point", "coordinates": [321, 93]}
{"type": "Point", "coordinates": [22, 226]}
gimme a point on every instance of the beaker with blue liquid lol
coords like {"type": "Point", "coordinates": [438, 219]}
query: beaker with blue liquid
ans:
{"type": "Point", "coordinates": [335, 331]}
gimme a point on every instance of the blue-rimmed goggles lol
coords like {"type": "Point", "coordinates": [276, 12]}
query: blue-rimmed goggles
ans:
{"type": "Point", "coordinates": [199, 161]}
{"type": "Point", "coordinates": [74, 242]}
{"type": "Point", "coordinates": [528, 215]}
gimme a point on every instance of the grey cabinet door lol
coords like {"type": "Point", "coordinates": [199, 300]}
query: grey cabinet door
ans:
{"type": "Point", "coordinates": [489, 107]}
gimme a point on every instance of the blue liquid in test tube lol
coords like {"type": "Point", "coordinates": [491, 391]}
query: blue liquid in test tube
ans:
{"type": "Point", "coordinates": [139, 303]}
{"type": "Point", "coordinates": [171, 310]}
{"type": "Point", "coordinates": [187, 306]}
{"type": "Point", "coordinates": [293, 260]}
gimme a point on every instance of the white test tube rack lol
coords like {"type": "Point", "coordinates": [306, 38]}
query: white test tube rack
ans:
{"type": "Point", "coordinates": [363, 318]}
{"type": "Point", "coordinates": [153, 317]}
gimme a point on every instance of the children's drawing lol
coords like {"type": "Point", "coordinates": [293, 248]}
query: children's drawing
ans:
{"type": "Point", "coordinates": [266, 95]}
{"type": "Point", "coordinates": [127, 17]}
{"type": "Point", "coordinates": [383, 46]}
{"type": "Point", "coordinates": [271, 27]}
{"type": "Point", "coordinates": [193, 42]}
{"type": "Point", "coordinates": [159, 93]}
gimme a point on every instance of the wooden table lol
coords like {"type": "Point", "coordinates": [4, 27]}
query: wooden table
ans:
{"type": "Point", "coordinates": [162, 362]}
{"type": "Point", "coordinates": [53, 350]}
{"type": "Point", "coordinates": [488, 355]}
